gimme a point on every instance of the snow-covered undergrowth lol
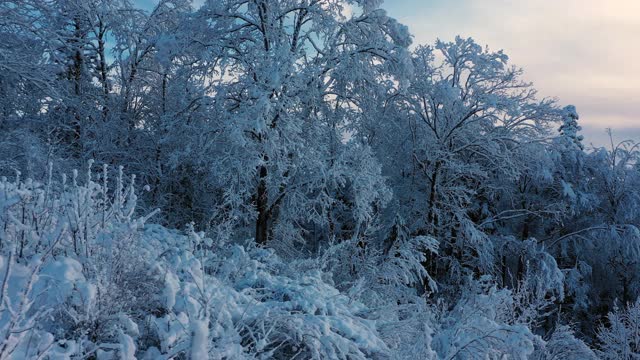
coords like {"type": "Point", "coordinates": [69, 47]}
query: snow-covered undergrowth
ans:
{"type": "Point", "coordinates": [83, 278]}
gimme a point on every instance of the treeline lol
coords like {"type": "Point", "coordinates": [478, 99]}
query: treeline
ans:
{"type": "Point", "coordinates": [428, 174]}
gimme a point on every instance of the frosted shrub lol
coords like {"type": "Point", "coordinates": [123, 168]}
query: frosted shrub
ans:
{"type": "Point", "coordinates": [620, 337]}
{"type": "Point", "coordinates": [479, 326]}
{"type": "Point", "coordinates": [84, 277]}
{"type": "Point", "coordinates": [246, 303]}
{"type": "Point", "coordinates": [564, 345]}
{"type": "Point", "coordinates": [70, 265]}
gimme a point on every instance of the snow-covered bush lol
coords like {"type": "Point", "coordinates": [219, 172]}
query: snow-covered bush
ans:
{"type": "Point", "coordinates": [83, 277]}
{"type": "Point", "coordinates": [620, 337]}
{"type": "Point", "coordinates": [563, 345]}
{"type": "Point", "coordinates": [391, 279]}
{"type": "Point", "coordinates": [245, 303]}
{"type": "Point", "coordinates": [481, 326]}
{"type": "Point", "coordinates": [71, 269]}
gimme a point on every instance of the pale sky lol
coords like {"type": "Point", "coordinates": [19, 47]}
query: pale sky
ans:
{"type": "Point", "coordinates": [584, 52]}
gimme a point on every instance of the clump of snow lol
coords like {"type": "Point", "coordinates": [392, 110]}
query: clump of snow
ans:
{"type": "Point", "coordinates": [199, 339]}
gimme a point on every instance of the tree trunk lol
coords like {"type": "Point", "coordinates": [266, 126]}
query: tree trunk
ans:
{"type": "Point", "coordinates": [525, 226]}
{"type": "Point", "coordinates": [262, 206]}
{"type": "Point", "coordinates": [431, 218]}
{"type": "Point", "coordinates": [626, 294]}
{"type": "Point", "coordinates": [76, 72]}
{"type": "Point", "coordinates": [164, 93]}
{"type": "Point", "coordinates": [104, 79]}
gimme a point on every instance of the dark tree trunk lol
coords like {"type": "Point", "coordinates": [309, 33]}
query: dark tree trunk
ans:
{"type": "Point", "coordinates": [431, 218]}
{"type": "Point", "coordinates": [525, 226]}
{"type": "Point", "coordinates": [262, 206]}
{"type": "Point", "coordinates": [104, 79]}
{"type": "Point", "coordinates": [626, 294]}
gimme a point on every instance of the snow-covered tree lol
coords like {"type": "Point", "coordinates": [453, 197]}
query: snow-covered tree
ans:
{"type": "Point", "coordinates": [459, 126]}
{"type": "Point", "coordinates": [569, 128]}
{"type": "Point", "coordinates": [287, 71]}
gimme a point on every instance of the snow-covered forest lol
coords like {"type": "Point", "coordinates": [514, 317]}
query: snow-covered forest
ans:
{"type": "Point", "coordinates": [297, 179]}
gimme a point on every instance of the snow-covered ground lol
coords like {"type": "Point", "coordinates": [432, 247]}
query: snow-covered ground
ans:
{"type": "Point", "coordinates": [83, 277]}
